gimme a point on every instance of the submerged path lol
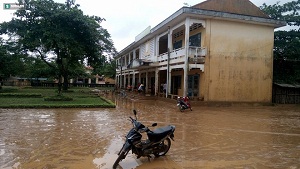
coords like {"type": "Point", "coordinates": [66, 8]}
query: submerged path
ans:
{"type": "Point", "coordinates": [207, 137]}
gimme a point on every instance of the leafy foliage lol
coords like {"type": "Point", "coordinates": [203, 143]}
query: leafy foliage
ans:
{"type": "Point", "coordinates": [60, 35]}
{"type": "Point", "coordinates": [286, 43]}
{"type": "Point", "coordinates": [108, 69]}
{"type": "Point", "coordinates": [10, 63]}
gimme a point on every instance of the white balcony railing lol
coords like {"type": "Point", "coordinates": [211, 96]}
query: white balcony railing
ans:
{"type": "Point", "coordinates": [197, 54]}
{"type": "Point", "coordinates": [175, 54]}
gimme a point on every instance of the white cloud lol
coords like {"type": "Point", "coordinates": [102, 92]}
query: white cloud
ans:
{"type": "Point", "coordinates": [126, 19]}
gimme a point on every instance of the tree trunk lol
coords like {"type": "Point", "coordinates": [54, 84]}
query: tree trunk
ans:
{"type": "Point", "coordinates": [66, 82]}
{"type": "Point", "coordinates": [59, 85]}
{"type": "Point", "coordinates": [60, 69]}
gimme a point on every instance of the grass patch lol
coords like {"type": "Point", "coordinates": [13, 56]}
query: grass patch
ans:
{"type": "Point", "coordinates": [47, 98]}
{"type": "Point", "coordinates": [27, 95]}
{"type": "Point", "coordinates": [58, 98]}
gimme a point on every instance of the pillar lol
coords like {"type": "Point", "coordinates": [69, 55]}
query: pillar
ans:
{"type": "Point", "coordinates": [156, 81]}
{"type": "Point", "coordinates": [133, 80]}
{"type": "Point", "coordinates": [186, 63]}
{"type": "Point", "coordinates": [146, 83]}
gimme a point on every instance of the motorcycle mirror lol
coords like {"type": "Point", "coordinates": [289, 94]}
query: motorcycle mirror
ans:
{"type": "Point", "coordinates": [134, 112]}
{"type": "Point", "coordinates": [154, 124]}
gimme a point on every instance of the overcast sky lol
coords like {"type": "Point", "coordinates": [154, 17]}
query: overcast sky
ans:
{"type": "Point", "coordinates": [126, 19]}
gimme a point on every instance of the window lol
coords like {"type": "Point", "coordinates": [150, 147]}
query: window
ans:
{"type": "Point", "coordinates": [163, 44]}
{"type": "Point", "coordinates": [195, 40]}
{"type": "Point", "coordinates": [137, 54]}
{"type": "Point", "coordinates": [177, 44]}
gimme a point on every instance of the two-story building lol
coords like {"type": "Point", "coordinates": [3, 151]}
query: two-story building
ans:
{"type": "Point", "coordinates": [217, 50]}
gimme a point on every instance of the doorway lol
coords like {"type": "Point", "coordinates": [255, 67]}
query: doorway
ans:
{"type": "Point", "coordinates": [193, 85]}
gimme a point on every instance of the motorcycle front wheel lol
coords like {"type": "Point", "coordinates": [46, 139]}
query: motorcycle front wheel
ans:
{"type": "Point", "coordinates": [166, 144]}
{"type": "Point", "coordinates": [121, 156]}
{"type": "Point", "coordinates": [180, 108]}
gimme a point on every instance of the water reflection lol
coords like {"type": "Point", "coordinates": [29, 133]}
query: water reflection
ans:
{"type": "Point", "coordinates": [207, 137]}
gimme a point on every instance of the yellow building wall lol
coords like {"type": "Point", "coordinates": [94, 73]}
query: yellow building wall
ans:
{"type": "Point", "coordinates": [239, 66]}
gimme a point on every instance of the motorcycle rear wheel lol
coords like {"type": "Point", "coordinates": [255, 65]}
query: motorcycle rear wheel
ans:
{"type": "Point", "coordinates": [181, 108]}
{"type": "Point", "coordinates": [167, 144]}
{"type": "Point", "coordinates": [120, 158]}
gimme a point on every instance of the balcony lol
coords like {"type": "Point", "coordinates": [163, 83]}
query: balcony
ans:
{"type": "Point", "coordinates": [175, 56]}
{"type": "Point", "coordinates": [197, 55]}
{"type": "Point", "coordinates": [196, 59]}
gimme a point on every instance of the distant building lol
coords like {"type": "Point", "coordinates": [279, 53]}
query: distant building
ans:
{"type": "Point", "coordinates": [18, 81]}
{"type": "Point", "coordinates": [217, 50]}
{"type": "Point", "coordinates": [92, 79]}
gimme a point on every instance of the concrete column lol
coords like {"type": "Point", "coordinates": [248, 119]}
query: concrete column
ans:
{"type": "Point", "coordinates": [156, 81]}
{"type": "Point", "coordinates": [186, 65]}
{"type": "Point", "coordinates": [146, 83]}
{"type": "Point", "coordinates": [140, 77]}
{"type": "Point", "coordinates": [90, 81]}
{"type": "Point", "coordinates": [170, 47]}
{"type": "Point", "coordinates": [125, 61]}
{"type": "Point", "coordinates": [117, 80]}
{"type": "Point", "coordinates": [97, 79]}
{"type": "Point", "coordinates": [124, 82]}
{"type": "Point", "coordinates": [133, 80]}
{"type": "Point", "coordinates": [170, 81]}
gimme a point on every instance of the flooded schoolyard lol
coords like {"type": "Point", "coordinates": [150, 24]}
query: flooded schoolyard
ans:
{"type": "Point", "coordinates": [244, 136]}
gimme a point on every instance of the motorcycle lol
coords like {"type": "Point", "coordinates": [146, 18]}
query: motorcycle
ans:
{"type": "Point", "coordinates": [183, 103]}
{"type": "Point", "coordinates": [158, 142]}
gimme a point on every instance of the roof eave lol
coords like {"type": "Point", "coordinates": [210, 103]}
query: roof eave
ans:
{"type": "Point", "coordinates": [208, 14]}
{"type": "Point", "coordinates": [205, 14]}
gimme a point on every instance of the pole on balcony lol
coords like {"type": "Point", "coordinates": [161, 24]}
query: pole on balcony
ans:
{"type": "Point", "coordinates": [186, 64]}
{"type": "Point", "coordinates": [121, 73]}
{"type": "Point", "coordinates": [168, 63]}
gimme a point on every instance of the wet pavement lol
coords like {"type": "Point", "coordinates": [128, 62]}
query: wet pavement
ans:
{"type": "Point", "coordinates": [239, 137]}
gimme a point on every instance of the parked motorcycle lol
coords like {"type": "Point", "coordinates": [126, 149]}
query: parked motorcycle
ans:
{"type": "Point", "coordinates": [158, 142]}
{"type": "Point", "coordinates": [183, 103]}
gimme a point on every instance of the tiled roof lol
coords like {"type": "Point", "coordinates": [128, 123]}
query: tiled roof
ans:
{"type": "Point", "coordinates": [242, 7]}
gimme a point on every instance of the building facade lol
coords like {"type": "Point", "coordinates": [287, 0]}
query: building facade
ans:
{"type": "Point", "coordinates": [217, 50]}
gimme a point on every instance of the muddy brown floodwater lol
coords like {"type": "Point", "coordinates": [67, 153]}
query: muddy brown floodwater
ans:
{"type": "Point", "coordinates": [247, 137]}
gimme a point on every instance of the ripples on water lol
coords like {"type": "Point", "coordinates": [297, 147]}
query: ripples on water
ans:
{"type": "Point", "coordinates": [207, 137]}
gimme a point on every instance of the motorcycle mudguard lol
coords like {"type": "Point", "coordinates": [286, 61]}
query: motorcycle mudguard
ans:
{"type": "Point", "coordinates": [126, 147]}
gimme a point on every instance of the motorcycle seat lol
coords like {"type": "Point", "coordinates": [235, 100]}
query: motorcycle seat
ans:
{"type": "Point", "coordinates": [160, 133]}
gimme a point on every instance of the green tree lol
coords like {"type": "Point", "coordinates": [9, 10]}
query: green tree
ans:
{"type": "Point", "coordinates": [108, 69]}
{"type": "Point", "coordinates": [60, 34]}
{"type": "Point", "coordinates": [11, 64]}
{"type": "Point", "coordinates": [286, 42]}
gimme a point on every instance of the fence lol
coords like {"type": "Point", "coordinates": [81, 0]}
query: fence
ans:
{"type": "Point", "coordinates": [286, 94]}
{"type": "Point", "coordinates": [50, 84]}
